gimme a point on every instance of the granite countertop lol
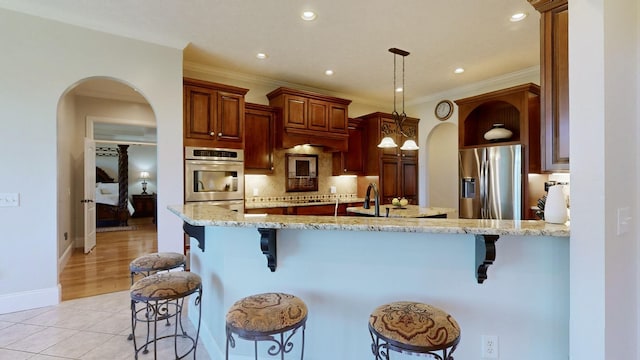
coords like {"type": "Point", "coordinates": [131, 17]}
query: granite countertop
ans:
{"type": "Point", "coordinates": [407, 211]}
{"type": "Point", "coordinates": [210, 215]}
{"type": "Point", "coordinates": [298, 202]}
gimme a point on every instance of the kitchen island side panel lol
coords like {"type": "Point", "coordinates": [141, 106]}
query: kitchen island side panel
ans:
{"type": "Point", "coordinates": [344, 275]}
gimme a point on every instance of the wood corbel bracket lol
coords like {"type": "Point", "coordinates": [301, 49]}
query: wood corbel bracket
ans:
{"type": "Point", "coordinates": [268, 247]}
{"type": "Point", "coordinates": [485, 255]}
{"type": "Point", "coordinates": [196, 232]}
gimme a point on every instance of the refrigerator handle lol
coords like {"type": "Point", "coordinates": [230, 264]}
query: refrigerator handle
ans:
{"type": "Point", "coordinates": [484, 206]}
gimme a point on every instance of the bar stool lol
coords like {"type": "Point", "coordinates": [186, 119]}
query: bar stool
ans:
{"type": "Point", "coordinates": [413, 327]}
{"type": "Point", "coordinates": [261, 317]}
{"type": "Point", "coordinates": [161, 296]}
{"type": "Point", "coordinates": [152, 263]}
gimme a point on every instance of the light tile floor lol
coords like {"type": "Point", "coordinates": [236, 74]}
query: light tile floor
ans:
{"type": "Point", "coordinates": [92, 328]}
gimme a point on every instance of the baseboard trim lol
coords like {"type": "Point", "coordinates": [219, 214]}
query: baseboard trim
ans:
{"type": "Point", "coordinates": [27, 300]}
{"type": "Point", "coordinates": [66, 255]}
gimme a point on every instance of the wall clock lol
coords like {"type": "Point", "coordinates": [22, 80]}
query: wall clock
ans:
{"type": "Point", "coordinates": [444, 109]}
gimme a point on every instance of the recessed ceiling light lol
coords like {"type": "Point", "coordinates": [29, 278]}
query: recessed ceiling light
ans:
{"type": "Point", "coordinates": [518, 16]}
{"type": "Point", "coordinates": [308, 15]}
{"type": "Point", "coordinates": [261, 56]}
{"type": "Point", "coordinates": [328, 72]}
{"type": "Point", "coordinates": [458, 71]}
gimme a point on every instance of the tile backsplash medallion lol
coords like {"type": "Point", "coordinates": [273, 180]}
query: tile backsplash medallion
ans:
{"type": "Point", "coordinates": [274, 185]}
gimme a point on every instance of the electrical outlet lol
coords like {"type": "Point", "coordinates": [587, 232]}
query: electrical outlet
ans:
{"type": "Point", "coordinates": [489, 347]}
{"type": "Point", "coordinates": [255, 192]}
{"type": "Point", "coordinates": [333, 189]}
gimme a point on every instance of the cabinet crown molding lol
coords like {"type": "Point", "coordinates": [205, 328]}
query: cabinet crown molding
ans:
{"type": "Point", "coordinates": [546, 5]}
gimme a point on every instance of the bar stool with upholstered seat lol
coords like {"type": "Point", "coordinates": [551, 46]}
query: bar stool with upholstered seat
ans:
{"type": "Point", "coordinates": [159, 297]}
{"type": "Point", "coordinates": [263, 317]}
{"type": "Point", "coordinates": [148, 264]}
{"type": "Point", "coordinates": [413, 327]}
{"type": "Point", "coordinates": [152, 263]}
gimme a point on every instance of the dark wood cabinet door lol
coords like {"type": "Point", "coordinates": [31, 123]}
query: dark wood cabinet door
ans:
{"type": "Point", "coordinates": [200, 105]}
{"type": "Point", "coordinates": [555, 88]}
{"type": "Point", "coordinates": [409, 181]}
{"type": "Point", "coordinates": [389, 179]}
{"type": "Point", "coordinates": [338, 118]}
{"type": "Point", "coordinates": [259, 138]}
{"type": "Point", "coordinates": [295, 112]}
{"type": "Point", "coordinates": [230, 117]}
{"type": "Point", "coordinates": [318, 115]}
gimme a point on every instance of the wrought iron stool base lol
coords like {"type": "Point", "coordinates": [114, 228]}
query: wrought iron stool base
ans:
{"type": "Point", "coordinates": [160, 297]}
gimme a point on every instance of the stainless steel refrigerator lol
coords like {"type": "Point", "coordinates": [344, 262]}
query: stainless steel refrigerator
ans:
{"type": "Point", "coordinates": [491, 182]}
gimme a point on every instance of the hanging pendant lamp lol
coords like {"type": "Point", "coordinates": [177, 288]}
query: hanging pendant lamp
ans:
{"type": "Point", "coordinates": [398, 118]}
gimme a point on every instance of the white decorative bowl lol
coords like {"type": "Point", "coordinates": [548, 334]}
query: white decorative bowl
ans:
{"type": "Point", "coordinates": [498, 132]}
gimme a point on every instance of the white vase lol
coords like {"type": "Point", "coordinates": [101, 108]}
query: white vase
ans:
{"type": "Point", "coordinates": [555, 207]}
{"type": "Point", "coordinates": [498, 132]}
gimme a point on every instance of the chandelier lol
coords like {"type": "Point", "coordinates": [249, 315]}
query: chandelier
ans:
{"type": "Point", "coordinates": [398, 118]}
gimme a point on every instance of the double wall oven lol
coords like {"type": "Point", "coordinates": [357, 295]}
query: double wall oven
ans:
{"type": "Point", "coordinates": [215, 176]}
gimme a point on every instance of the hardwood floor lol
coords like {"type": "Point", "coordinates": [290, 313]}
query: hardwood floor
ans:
{"type": "Point", "coordinates": [106, 268]}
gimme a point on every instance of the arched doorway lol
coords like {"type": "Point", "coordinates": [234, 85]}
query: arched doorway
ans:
{"type": "Point", "coordinates": [442, 166]}
{"type": "Point", "coordinates": [115, 116]}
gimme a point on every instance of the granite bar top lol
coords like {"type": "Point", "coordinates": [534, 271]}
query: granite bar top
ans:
{"type": "Point", "coordinates": [407, 211]}
{"type": "Point", "coordinates": [210, 215]}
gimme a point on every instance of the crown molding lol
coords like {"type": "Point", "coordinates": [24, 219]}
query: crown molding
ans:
{"type": "Point", "coordinates": [505, 80]}
{"type": "Point", "coordinates": [269, 82]}
{"type": "Point", "coordinates": [498, 82]}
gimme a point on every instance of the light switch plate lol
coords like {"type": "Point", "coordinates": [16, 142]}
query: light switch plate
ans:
{"type": "Point", "coordinates": [9, 199]}
{"type": "Point", "coordinates": [624, 220]}
{"type": "Point", "coordinates": [333, 189]}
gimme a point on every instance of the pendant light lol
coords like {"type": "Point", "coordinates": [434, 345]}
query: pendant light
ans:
{"type": "Point", "coordinates": [398, 118]}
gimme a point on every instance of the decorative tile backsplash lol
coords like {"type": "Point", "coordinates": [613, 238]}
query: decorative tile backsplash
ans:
{"type": "Point", "coordinates": [274, 186]}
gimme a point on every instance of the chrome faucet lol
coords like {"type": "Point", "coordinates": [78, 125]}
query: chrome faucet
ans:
{"type": "Point", "coordinates": [367, 198]}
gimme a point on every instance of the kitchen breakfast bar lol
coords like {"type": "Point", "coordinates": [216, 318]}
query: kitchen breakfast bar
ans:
{"type": "Point", "coordinates": [501, 278]}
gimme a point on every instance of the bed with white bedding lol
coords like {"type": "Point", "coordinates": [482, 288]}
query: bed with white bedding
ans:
{"type": "Point", "coordinates": [107, 202]}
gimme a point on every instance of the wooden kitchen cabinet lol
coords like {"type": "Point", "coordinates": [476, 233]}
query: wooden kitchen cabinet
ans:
{"type": "Point", "coordinates": [554, 83]}
{"type": "Point", "coordinates": [397, 170]}
{"type": "Point", "coordinates": [351, 162]}
{"type": "Point", "coordinates": [259, 137]}
{"type": "Point", "coordinates": [517, 107]}
{"type": "Point", "coordinates": [310, 118]}
{"type": "Point", "coordinates": [271, 210]}
{"type": "Point", "coordinates": [213, 114]}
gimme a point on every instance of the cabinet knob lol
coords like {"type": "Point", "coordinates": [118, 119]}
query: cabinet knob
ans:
{"type": "Point", "coordinates": [272, 168]}
{"type": "Point", "coordinates": [403, 155]}
{"type": "Point", "coordinates": [219, 134]}
{"type": "Point", "coordinates": [344, 170]}
{"type": "Point", "coordinates": [212, 134]}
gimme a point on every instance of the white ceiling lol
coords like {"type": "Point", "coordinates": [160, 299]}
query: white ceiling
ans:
{"type": "Point", "coordinates": [352, 37]}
